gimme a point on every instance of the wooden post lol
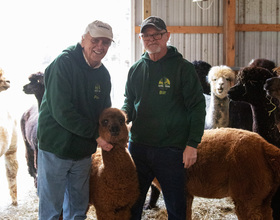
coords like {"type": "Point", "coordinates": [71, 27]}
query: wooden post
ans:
{"type": "Point", "coordinates": [229, 32]}
{"type": "Point", "coordinates": [146, 9]}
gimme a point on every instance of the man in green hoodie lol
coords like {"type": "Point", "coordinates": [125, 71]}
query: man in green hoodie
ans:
{"type": "Point", "coordinates": [77, 90]}
{"type": "Point", "coordinates": [165, 102]}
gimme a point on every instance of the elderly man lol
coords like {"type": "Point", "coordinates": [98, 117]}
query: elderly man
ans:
{"type": "Point", "coordinates": [165, 102]}
{"type": "Point", "coordinates": [77, 90]}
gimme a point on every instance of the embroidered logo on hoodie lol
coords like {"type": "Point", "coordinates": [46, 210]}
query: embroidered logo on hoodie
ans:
{"type": "Point", "coordinates": [163, 85]}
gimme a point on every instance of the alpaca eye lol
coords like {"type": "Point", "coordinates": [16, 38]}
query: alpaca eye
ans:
{"type": "Point", "coordinates": [228, 79]}
{"type": "Point", "coordinates": [104, 122]}
{"type": "Point", "coordinates": [121, 121]}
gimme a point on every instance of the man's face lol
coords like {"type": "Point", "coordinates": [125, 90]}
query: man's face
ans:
{"type": "Point", "coordinates": [95, 48]}
{"type": "Point", "coordinates": [154, 40]}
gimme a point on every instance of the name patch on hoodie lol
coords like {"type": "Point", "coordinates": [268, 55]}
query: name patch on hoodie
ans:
{"type": "Point", "coordinates": [97, 91]}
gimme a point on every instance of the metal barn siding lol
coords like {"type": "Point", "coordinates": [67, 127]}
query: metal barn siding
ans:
{"type": "Point", "coordinates": [252, 45]}
{"type": "Point", "coordinates": [209, 47]}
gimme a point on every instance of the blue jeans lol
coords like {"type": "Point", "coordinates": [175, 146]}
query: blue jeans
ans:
{"type": "Point", "coordinates": [62, 184]}
{"type": "Point", "coordinates": [166, 164]}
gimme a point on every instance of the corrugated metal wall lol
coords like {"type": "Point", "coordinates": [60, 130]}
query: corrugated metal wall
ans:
{"type": "Point", "coordinates": [209, 47]}
{"type": "Point", "coordinates": [251, 45]}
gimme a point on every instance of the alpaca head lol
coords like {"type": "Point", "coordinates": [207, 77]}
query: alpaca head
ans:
{"type": "Point", "coordinates": [261, 62]}
{"type": "Point", "coordinates": [4, 83]}
{"type": "Point", "coordinates": [36, 84]}
{"type": "Point", "coordinates": [202, 68]}
{"type": "Point", "coordinates": [112, 126]}
{"type": "Point", "coordinates": [272, 85]}
{"type": "Point", "coordinates": [250, 85]}
{"type": "Point", "coordinates": [221, 79]}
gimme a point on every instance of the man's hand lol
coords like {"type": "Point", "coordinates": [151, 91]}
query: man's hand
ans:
{"type": "Point", "coordinates": [189, 156]}
{"type": "Point", "coordinates": [104, 144]}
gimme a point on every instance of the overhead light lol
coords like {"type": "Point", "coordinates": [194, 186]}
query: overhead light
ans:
{"type": "Point", "coordinates": [199, 0]}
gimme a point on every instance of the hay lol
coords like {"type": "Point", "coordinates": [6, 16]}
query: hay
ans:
{"type": "Point", "coordinates": [27, 209]}
{"type": "Point", "coordinates": [203, 209]}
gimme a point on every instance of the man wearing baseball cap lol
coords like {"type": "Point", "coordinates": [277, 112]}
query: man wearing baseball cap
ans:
{"type": "Point", "coordinates": [77, 90]}
{"type": "Point", "coordinates": [165, 102]}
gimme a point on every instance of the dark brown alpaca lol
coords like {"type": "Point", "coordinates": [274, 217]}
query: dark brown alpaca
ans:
{"type": "Point", "coordinates": [250, 88]}
{"type": "Point", "coordinates": [29, 122]}
{"type": "Point", "coordinates": [113, 180]}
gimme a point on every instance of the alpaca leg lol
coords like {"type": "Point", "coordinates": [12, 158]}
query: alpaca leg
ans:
{"type": "Point", "coordinates": [105, 215]}
{"type": "Point", "coordinates": [29, 155]}
{"type": "Point", "coordinates": [11, 172]}
{"type": "Point", "coordinates": [153, 198]}
{"type": "Point", "coordinates": [275, 204]}
{"type": "Point", "coordinates": [247, 211]}
{"type": "Point", "coordinates": [35, 166]}
{"type": "Point", "coordinates": [123, 214]}
{"type": "Point", "coordinates": [189, 206]}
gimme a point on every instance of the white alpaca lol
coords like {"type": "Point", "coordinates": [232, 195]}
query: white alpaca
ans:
{"type": "Point", "coordinates": [221, 79]}
{"type": "Point", "coordinates": [8, 141]}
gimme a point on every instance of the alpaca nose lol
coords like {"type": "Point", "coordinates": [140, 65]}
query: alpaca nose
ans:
{"type": "Point", "coordinates": [114, 130]}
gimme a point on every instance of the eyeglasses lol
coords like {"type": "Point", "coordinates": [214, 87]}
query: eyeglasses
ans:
{"type": "Point", "coordinates": [105, 42]}
{"type": "Point", "coordinates": [156, 36]}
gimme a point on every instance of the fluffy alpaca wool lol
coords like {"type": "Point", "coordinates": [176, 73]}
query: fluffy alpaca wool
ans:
{"type": "Point", "coordinates": [8, 140]}
{"type": "Point", "coordinates": [29, 122]}
{"type": "Point", "coordinates": [221, 79]}
{"type": "Point", "coordinates": [113, 179]}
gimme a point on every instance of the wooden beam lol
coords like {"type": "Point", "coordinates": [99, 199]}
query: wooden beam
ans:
{"type": "Point", "coordinates": [219, 29]}
{"type": "Point", "coordinates": [191, 29]}
{"type": "Point", "coordinates": [229, 33]}
{"type": "Point", "coordinates": [146, 9]}
{"type": "Point", "coordinates": [257, 27]}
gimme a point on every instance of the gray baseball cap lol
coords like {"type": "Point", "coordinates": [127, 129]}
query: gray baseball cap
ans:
{"type": "Point", "coordinates": [157, 22]}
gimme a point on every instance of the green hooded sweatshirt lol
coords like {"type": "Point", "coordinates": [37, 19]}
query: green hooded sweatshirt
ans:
{"type": "Point", "coordinates": [165, 102]}
{"type": "Point", "coordinates": [75, 95]}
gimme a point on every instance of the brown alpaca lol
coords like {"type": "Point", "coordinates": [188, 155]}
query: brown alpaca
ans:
{"type": "Point", "coordinates": [239, 164]}
{"type": "Point", "coordinates": [113, 180]}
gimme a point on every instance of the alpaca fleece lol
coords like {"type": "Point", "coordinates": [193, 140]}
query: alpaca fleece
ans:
{"type": "Point", "coordinates": [238, 164]}
{"type": "Point", "coordinates": [29, 122]}
{"type": "Point", "coordinates": [113, 179]}
{"type": "Point", "coordinates": [8, 140]}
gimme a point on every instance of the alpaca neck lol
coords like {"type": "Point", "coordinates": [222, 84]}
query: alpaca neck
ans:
{"type": "Point", "coordinates": [218, 112]}
{"type": "Point", "coordinates": [264, 122]}
{"type": "Point", "coordinates": [39, 98]}
{"type": "Point", "coordinates": [118, 164]}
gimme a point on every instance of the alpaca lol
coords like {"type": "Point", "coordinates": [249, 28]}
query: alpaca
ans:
{"type": "Point", "coordinates": [250, 88]}
{"type": "Point", "coordinates": [230, 164]}
{"type": "Point", "coordinates": [272, 85]}
{"type": "Point", "coordinates": [264, 63]}
{"type": "Point", "coordinates": [221, 79]}
{"type": "Point", "coordinates": [8, 141]}
{"type": "Point", "coordinates": [202, 68]}
{"type": "Point", "coordinates": [239, 164]}
{"type": "Point", "coordinates": [113, 179]}
{"type": "Point", "coordinates": [29, 121]}
{"type": "Point", "coordinates": [4, 83]}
